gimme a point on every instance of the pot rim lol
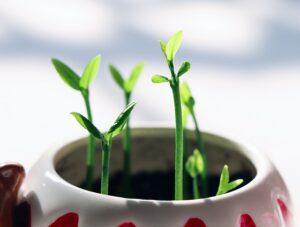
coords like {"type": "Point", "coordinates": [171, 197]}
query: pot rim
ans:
{"type": "Point", "coordinates": [258, 159]}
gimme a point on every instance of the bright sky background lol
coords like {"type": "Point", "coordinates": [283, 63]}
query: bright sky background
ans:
{"type": "Point", "coordinates": [245, 74]}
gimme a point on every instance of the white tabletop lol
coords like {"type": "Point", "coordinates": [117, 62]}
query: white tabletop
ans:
{"type": "Point", "coordinates": [245, 70]}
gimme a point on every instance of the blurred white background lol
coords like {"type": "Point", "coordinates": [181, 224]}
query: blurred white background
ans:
{"type": "Point", "coordinates": [245, 74]}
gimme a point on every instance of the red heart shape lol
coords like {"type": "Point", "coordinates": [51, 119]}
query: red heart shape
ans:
{"type": "Point", "coordinates": [247, 221]}
{"type": "Point", "coordinates": [284, 210]}
{"type": "Point", "coordinates": [67, 220]}
{"type": "Point", "coordinates": [127, 224]}
{"type": "Point", "coordinates": [195, 222]}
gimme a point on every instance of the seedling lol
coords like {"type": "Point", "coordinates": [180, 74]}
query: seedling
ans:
{"type": "Point", "coordinates": [127, 87]}
{"type": "Point", "coordinates": [189, 104]}
{"type": "Point", "coordinates": [106, 140]}
{"type": "Point", "coordinates": [82, 84]}
{"type": "Point", "coordinates": [169, 50]}
{"type": "Point", "coordinates": [226, 186]}
{"type": "Point", "coordinates": [195, 167]}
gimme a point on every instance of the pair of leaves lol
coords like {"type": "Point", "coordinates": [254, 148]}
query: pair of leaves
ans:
{"type": "Point", "coordinates": [186, 96]}
{"type": "Point", "coordinates": [195, 164]}
{"type": "Point", "coordinates": [126, 85]}
{"type": "Point", "coordinates": [72, 79]}
{"type": "Point", "coordinates": [185, 67]}
{"type": "Point", "coordinates": [170, 49]}
{"type": "Point", "coordinates": [225, 185]}
{"type": "Point", "coordinates": [114, 130]}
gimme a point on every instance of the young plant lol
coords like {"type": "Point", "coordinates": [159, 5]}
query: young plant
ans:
{"type": "Point", "coordinates": [189, 103]}
{"type": "Point", "coordinates": [127, 87]}
{"type": "Point", "coordinates": [106, 140]}
{"type": "Point", "coordinates": [194, 167]}
{"type": "Point", "coordinates": [169, 50]}
{"type": "Point", "coordinates": [81, 84]}
{"type": "Point", "coordinates": [225, 185]}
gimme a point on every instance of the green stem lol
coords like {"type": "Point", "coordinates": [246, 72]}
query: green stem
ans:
{"type": "Point", "coordinates": [179, 135]}
{"type": "Point", "coordinates": [90, 161]}
{"type": "Point", "coordinates": [196, 188]}
{"type": "Point", "coordinates": [200, 144]}
{"type": "Point", "coordinates": [185, 158]}
{"type": "Point", "coordinates": [127, 153]}
{"type": "Point", "coordinates": [105, 167]}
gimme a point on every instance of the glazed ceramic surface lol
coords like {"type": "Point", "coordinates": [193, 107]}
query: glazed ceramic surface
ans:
{"type": "Point", "coordinates": [53, 201]}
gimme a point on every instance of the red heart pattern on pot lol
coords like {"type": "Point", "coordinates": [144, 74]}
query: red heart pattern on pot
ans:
{"type": "Point", "coordinates": [67, 220]}
{"type": "Point", "coordinates": [284, 211]}
{"type": "Point", "coordinates": [71, 219]}
{"type": "Point", "coordinates": [195, 222]}
{"type": "Point", "coordinates": [246, 221]}
{"type": "Point", "coordinates": [127, 224]}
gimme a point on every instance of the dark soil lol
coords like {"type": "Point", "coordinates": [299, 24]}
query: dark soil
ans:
{"type": "Point", "coordinates": [160, 185]}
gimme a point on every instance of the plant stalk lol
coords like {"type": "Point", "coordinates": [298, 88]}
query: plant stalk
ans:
{"type": "Point", "coordinates": [179, 135]}
{"type": "Point", "coordinates": [90, 161]}
{"type": "Point", "coordinates": [202, 150]}
{"type": "Point", "coordinates": [127, 153]}
{"type": "Point", "coordinates": [196, 192]}
{"type": "Point", "coordinates": [185, 157]}
{"type": "Point", "coordinates": [106, 148]}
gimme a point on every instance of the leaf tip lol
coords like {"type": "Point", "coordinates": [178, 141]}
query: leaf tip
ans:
{"type": "Point", "coordinates": [55, 62]}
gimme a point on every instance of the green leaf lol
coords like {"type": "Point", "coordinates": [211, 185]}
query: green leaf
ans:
{"type": "Point", "coordinates": [120, 122]}
{"type": "Point", "coordinates": [67, 74]}
{"type": "Point", "coordinates": [134, 76]}
{"type": "Point", "coordinates": [226, 186]}
{"type": "Point", "coordinates": [199, 161]}
{"type": "Point", "coordinates": [173, 46]}
{"type": "Point", "coordinates": [184, 68]}
{"type": "Point", "coordinates": [224, 180]}
{"type": "Point", "coordinates": [190, 166]}
{"type": "Point", "coordinates": [163, 47]}
{"type": "Point", "coordinates": [195, 164]}
{"type": "Point", "coordinates": [159, 79]}
{"type": "Point", "coordinates": [90, 72]}
{"type": "Point", "coordinates": [234, 184]}
{"type": "Point", "coordinates": [85, 123]}
{"type": "Point", "coordinates": [186, 96]}
{"type": "Point", "coordinates": [116, 75]}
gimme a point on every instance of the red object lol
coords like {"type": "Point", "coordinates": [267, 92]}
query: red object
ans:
{"type": "Point", "coordinates": [247, 221]}
{"type": "Point", "coordinates": [195, 222]}
{"type": "Point", "coordinates": [127, 224]}
{"type": "Point", "coordinates": [11, 178]}
{"type": "Point", "coordinates": [22, 217]}
{"type": "Point", "coordinates": [67, 220]}
{"type": "Point", "coordinates": [284, 210]}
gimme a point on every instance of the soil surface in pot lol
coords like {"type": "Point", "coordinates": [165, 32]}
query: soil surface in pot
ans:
{"type": "Point", "coordinates": [160, 185]}
{"type": "Point", "coordinates": [153, 164]}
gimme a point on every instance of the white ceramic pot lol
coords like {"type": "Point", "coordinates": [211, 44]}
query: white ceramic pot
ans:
{"type": "Point", "coordinates": [55, 200]}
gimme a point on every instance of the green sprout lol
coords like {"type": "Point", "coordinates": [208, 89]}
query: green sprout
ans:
{"type": "Point", "coordinates": [127, 87]}
{"type": "Point", "coordinates": [226, 186]}
{"type": "Point", "coordinates": [106, 140]}
{"type": "Point", "coordinates": [189, 104]}
{"type": "Point", "coordinates": [82, 84]}
{"type": "Point", "coordinates": [169, 50]}
{"type": "Point", "coordinates": [195, 167]}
